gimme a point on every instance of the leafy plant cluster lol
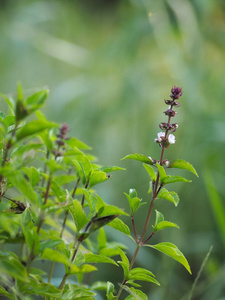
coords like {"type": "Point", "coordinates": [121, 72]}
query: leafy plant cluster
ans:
{"type": "Point", "coordinates": [49, 207]}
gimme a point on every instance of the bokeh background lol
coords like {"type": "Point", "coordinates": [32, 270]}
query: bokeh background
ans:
{"type": "Point", "coordinates": [109, 66]}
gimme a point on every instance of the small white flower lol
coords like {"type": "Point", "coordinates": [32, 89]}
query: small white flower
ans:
{"type": "Point", "coordinates": [171, 139]}
{"type": "Point", "coordinates": [160, 135]}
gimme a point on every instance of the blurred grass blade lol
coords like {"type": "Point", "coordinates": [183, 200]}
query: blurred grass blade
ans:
{"type": "Point", "coordinates": [216, 203]}
{"type": "Point", "coordinates": [199, 273]}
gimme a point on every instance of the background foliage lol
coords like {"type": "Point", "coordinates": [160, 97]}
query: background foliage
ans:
{"type": "Point", "coordinates": [109, 65]}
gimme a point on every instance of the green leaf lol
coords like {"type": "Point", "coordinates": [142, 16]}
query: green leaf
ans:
{"type": "Point", "coordinates": [54, 255]}
{"type": "Point", "coordinates": [46, 289]}
{"type": "Point", "coordinates": [169, 196]}
{"type": "Point", "coordinates": [108, 169]}
{"type": "Point", "coordinates": [159, 217]}
{"type": "Point", "coordinates": [151, 172]}
{"type": "Point", "coordinates": [163, 225]}
{"type": "Point", "coordinates": [97, 258]}
{"type": "Point", "coordinates": [162, 172]}
{"type": "Point", "coordinates": [109, 291]}
{"type": "Point", "coordinates": [124, 263]}
{"type": "Point", "coordinates": [97, 177]}
{"type": "Point", "coordinates": [4, 292]}
{"type": "Point", "coordinates": [10, 120]}
{"type": "Point", "coordinates": [36, 100]}
{"type": "Point", "coordinates": [101, 239]}
{"type": "Point", "coordinates": [74, 142]}
{"type": "Point", "coordinates": [135, 294]}
{"type": "Point", "coordinates": [78, 214]}
{"type": "Point", "coordinates": [18, 180]}
{"type": "Point", "coordinates": [75, 292]}
{"type": "Point", "coordinates": [32, 174]}
{"type": "Point", "coordinates": [50, 243]}
{"type": "Point", "coordinates": [54, 166]}
{"type": "Point", "coordinates": [182, 164]}
{"type": "Point", "coordinates": [143, 277]}
{"type": "Point", "coordinates": [94, 225]}
{"type": "Point", "coordinates": [172, 251]}
{"type": "Point", "coordinates": [119, 225]}
{"type": "Point", "coordinates": [13, 267]}
{"type": "Point", "coordinates": [99, 285]}
{"type": "Point", "coordinates": [86, 268]}
{"type": "Point", "coordinates": [175, 198]}
{"type": "Point", "coordinates": [33, 128]}
{"type": "Point", "coordinates": [173, 179]}
{"type": "Point", "coordinates": [85, 167]}
{"type": "Point", "coordinates": [132, 193]}
{"type": "Point", "coordinates": [134, 202]}
{"type": "Point", "coordinates": [104, 209]}
{"type": "Point", "coordinates": [141, 271]}
{"type": "Point", "coordinates": [21, 111]}
{"type": "Point", "coordinates": [140, 157]}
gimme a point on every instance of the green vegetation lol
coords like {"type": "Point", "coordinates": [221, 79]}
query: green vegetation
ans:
{"type": "Point", "coordinates": [108, 64]}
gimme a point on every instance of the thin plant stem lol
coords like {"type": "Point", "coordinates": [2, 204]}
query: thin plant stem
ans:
{"type": "Point", "coordinates": [156, 190]}
{"type": "Point", "coordinates": [134, 228]}
{"type": "Point", "coordinates": [63, 227]}
{"type": "Point", "coordinates": [63, 282]}
{"type": "Point", "coordinates": [4, 160]}
{"type": "Point", "coordinates": [83, 197]}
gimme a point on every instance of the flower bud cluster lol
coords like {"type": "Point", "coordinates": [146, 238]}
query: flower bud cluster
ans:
{"type": "Point", "coordinates": [163, 139]}
{"type": "Point", "coordinates": [61, 139]}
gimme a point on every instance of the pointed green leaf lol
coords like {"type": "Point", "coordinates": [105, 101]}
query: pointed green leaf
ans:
{"type": "Point", "coordinates": [173, 179]}
{"type": "Point", "coordinates": [74, 142]}
{"type": "Point", "coordinates": [166, 195]}
{"type": "Point", "coordinates": [151, 172]}
{"type": "Point", "coordinates": [182, 164]}
{"type": "Point", "coordinates": [33, 128]}
{"type": "Point", "coordinates": [134, 203]}
{"type": "Point", "coordinates": [172, 251]}
{"type": "Point", "coordinates": [100, 222]}
{"type": "Point", "coordinates": [4, 292]}
{"type": "Point", "coordinates": [159, 217]}
{"type": "Point", "coordinates": [135, 294]}
{"type": "Point", "coordinates": [162, 172]}
{"type": "Point", "coordinates": [54, 255]}
{"type": "Point", "coordinates": [86, 168]}
{"type": "Point", "coordinates": [37, 99]}
{"type": "Point", "coordinates": [119, 225]}
{"type": "Point", "coordinates": [163, 225]}
{"type": "Point", "coordinates": [143, 277]}
{"type": "Point", "coordinates": [132, 193]}
{"type": "Point", "coordinates": [46, 289]}
{"type": "Point", "coordinates": [141, 271]}
{"type": "Point", "coordinates": [124, 263]}
{"type": "Point", "coordinates": [13, 267]}
{"type": "Point", "coordinates": [101, 239]}
{"type": "Point", "coordinates": [97, 177]}
{"type": "Point", "coordinates": [140, 157]}
{"type": "Point", "coordinates": [97, 258]}
{"type": "Point", "coordinates": [86, 268]}
{"type": "Point", "coordinates": [105, 209]}
{"type": "Point", "coordinates": [32, 174]}
{"type": "Point", "coordinates": [78, 214]}
{"type": "Point", "coordinates": [18, 180]}
{"type": "Point", "coordinates": [175, 198]}
{"type": "Point", "coordinates": [108, 169]}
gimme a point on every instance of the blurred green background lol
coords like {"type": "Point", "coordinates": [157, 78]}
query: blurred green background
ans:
{"type": "Point", "coordinates": [109, 66]}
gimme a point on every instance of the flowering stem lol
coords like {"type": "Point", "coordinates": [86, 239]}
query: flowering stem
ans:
{"type": "Point", "coordinates": [164, 142]}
